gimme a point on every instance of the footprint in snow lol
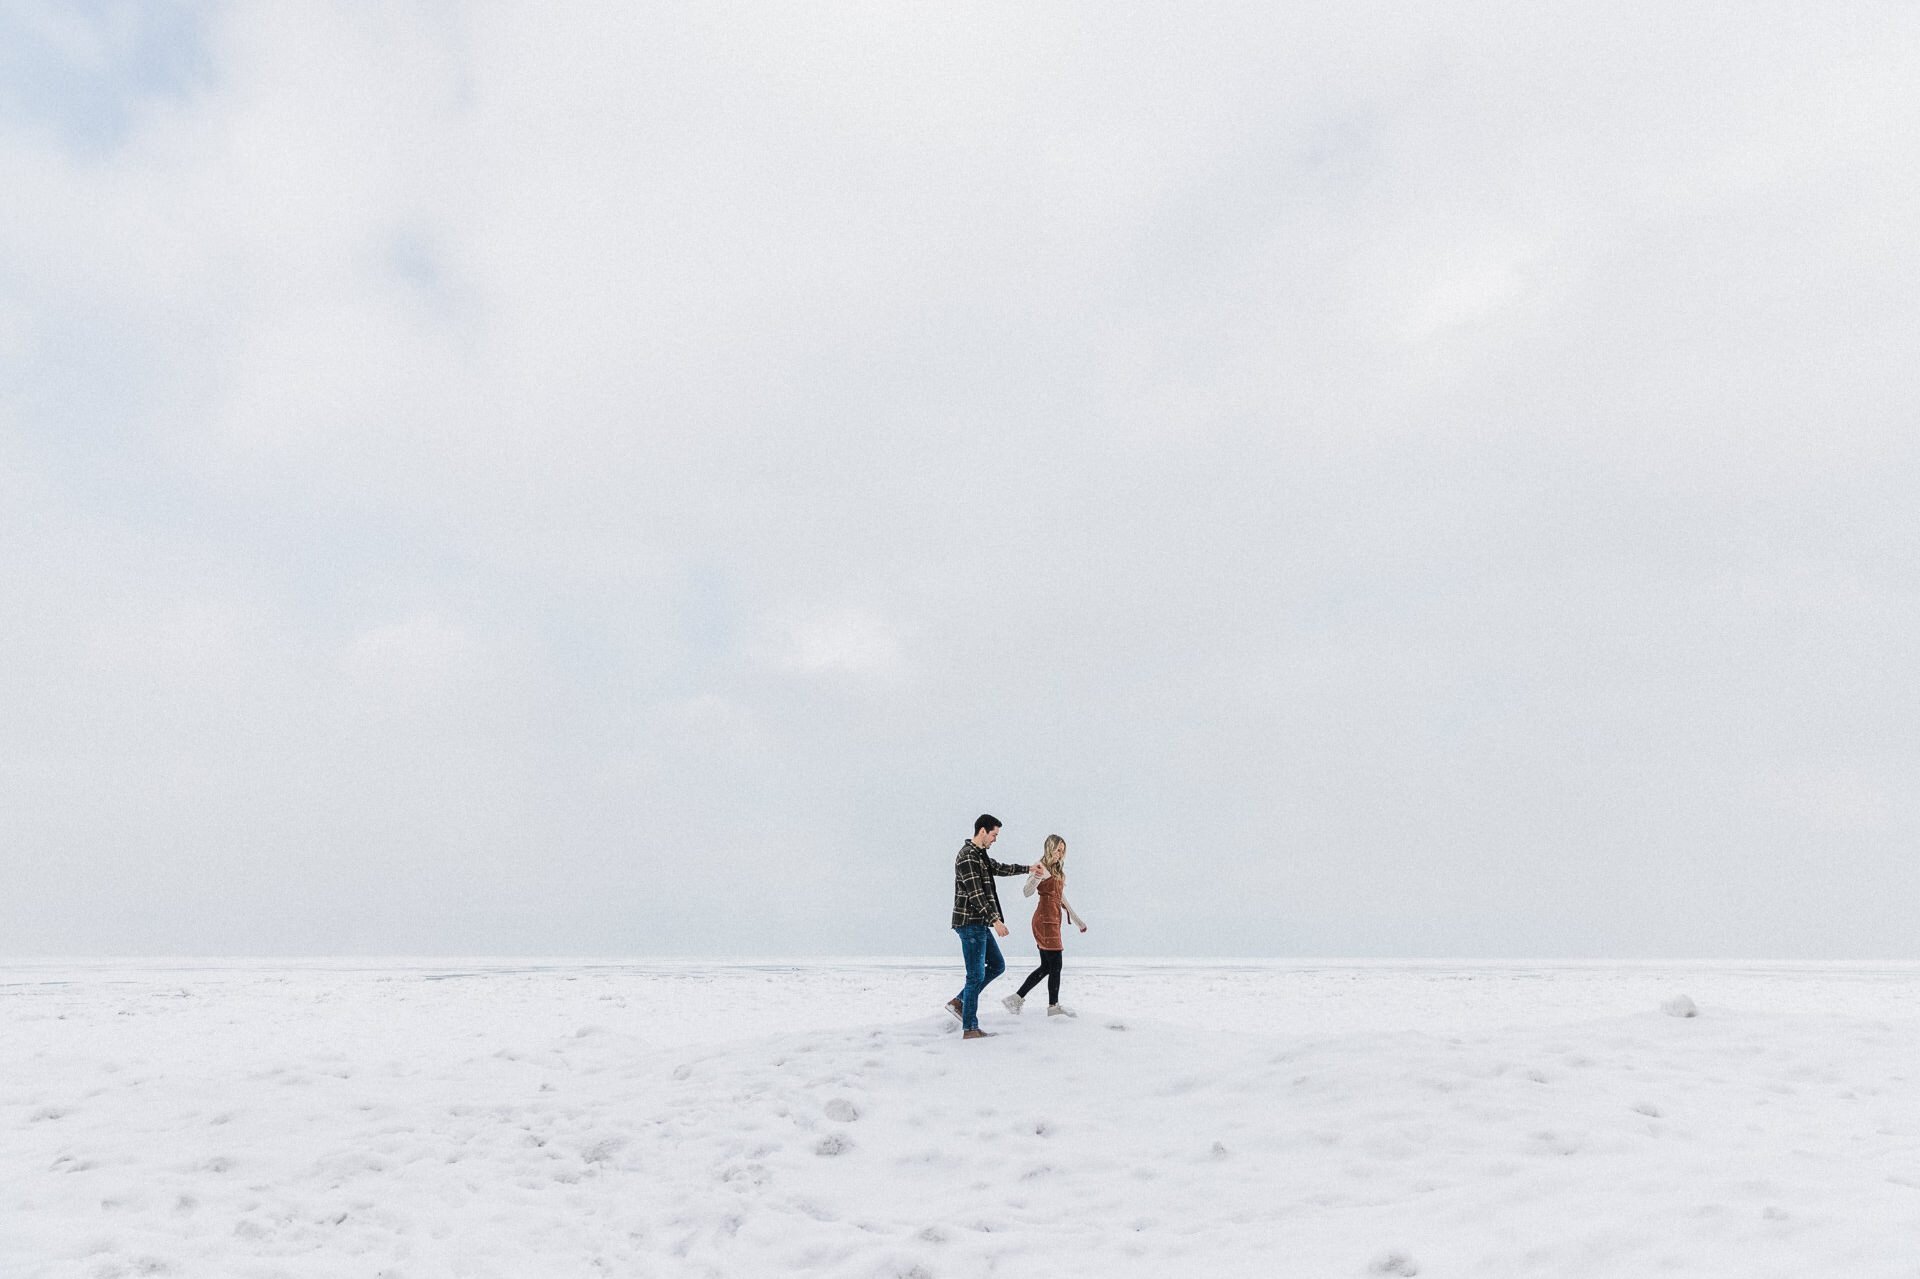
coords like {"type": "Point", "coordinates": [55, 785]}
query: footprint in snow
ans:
{"type": "Point", "coordinates": [840, 1110]}
{"type": "Point", "coordinates": [832, 1144]}
{"type": "Point", "coordinates": [603, 1150]}
{"type": "Point", "coordinates": [1393, 1263]}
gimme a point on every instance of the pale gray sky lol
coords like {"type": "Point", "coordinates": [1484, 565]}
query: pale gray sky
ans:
{"type": "Point", "coordinates": [1379, 480]}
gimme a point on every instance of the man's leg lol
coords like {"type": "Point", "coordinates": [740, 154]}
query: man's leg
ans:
{"type": "Point", "coordinates": [995, 963]}
{"type": "Point", "coordinates": [969, 935]}
{"type": "Point", "coordinates": [973, 952]}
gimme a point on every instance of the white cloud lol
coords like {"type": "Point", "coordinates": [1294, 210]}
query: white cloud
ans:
{"type": "Point", "coordinates": [1827, 801]}
{"type": "Point", "coordinates": [710, 722]}
{"type": "Point", "coordinates": [1467, 292]}
{"type": "Point", "coordinates": [424, 653]}
{"type": "Point", "coordinates": [840, 642]}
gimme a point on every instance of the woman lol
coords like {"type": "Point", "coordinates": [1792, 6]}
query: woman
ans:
{"type": "Point", "coordinates": [1050, 880]}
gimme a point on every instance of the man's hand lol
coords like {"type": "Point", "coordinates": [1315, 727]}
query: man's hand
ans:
{"type": "Point", "coordinates": [999, 928]}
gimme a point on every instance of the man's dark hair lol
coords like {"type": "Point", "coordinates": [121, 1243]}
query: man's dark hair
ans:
{"type": "Point", "coordinates": [986, 821]}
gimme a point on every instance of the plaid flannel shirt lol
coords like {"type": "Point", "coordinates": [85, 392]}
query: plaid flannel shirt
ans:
{"type": "Point", "coordinates": [975, 898]}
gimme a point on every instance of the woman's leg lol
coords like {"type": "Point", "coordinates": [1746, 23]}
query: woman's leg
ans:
{"type": "Point", "coordinates": [1050, 962]}
{"type": "Point", "coordinates": [1033, 978]}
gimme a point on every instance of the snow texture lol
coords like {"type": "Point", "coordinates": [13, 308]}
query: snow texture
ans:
{"type": "Point", "coordinates": [661, 1119]}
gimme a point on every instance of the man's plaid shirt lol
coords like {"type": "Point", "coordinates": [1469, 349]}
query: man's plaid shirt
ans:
{"type": "Point", "coordinates": [975, 899]}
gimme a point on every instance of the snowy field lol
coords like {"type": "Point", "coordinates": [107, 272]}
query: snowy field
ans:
{"type": "Point", "coordinates": [513, 1118]}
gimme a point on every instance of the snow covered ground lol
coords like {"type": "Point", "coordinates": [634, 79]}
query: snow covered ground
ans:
{"type": "Point", "coordinates": [511, 1118]}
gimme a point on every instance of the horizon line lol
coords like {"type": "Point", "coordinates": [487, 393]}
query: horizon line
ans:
{"type": "Point", "coordinates": [497, 959]}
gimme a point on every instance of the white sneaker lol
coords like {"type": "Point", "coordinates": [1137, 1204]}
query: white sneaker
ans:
{"type": "Point", "coordinates": [1013, 1003]}
{"type": "Point", "coordinates": [1060, 1010]}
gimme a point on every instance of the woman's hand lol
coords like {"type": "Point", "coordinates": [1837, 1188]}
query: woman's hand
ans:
{"type": "Point", "coordinates": [1083, 928]}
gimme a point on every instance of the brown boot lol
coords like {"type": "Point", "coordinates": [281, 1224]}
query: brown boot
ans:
{"type": "Point", "coordinates": [953, 1006]}
{"type": "Point", "coordinates": [977, 1033]}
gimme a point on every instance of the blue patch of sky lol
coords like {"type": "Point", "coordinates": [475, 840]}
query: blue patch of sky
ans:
{"type": "Point", "coordinates": [81, 70]}
{"type": "Point", "coordinates": [415, 260]}
{"type": "Point", "coordinates": [411, 257]}
{"type": "Point", "coordinates": [78, 387]}
{"type": "Point", "coordinates": [707, 611]}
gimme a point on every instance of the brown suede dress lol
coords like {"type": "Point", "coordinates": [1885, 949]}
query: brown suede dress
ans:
{"type": "Point", "coordinates": [1046, 916]}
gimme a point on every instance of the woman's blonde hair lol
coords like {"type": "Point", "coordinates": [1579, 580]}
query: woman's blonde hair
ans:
{"type": "Point", "coordinates": [1050, 854]}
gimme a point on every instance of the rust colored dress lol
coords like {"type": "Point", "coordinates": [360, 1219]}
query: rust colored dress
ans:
{"type": "Point", "coordinates": [1046, 916]}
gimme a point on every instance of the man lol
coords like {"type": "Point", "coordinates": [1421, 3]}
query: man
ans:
{"type": "Point", "coordinates": [976, 909]}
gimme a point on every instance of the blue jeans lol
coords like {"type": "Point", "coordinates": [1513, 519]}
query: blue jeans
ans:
{"type": "Point", "coordinates": [982, 955]}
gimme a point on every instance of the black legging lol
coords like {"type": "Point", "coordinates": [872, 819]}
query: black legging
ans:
{"type": "Point", "coordinates": [1050, 969]}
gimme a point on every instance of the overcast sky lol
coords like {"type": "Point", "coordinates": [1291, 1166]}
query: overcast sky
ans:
{"type": "Point", "coordinates": [1386, 480]}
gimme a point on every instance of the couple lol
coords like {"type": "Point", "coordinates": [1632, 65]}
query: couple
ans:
{"type": "Point", "coordinates": [976, 909]}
